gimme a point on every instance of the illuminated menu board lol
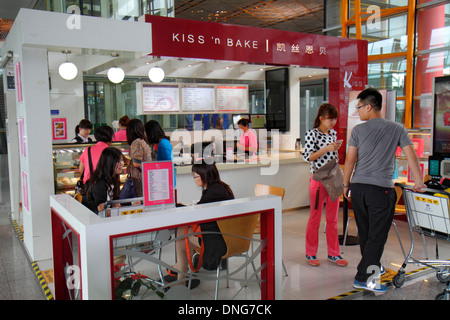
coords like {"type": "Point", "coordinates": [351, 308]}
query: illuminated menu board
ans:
{"type": "Point", "coordinates": [232, 98]}
{"type": "Point", "coordinates": [198, 97]}
{"type": "Point", "coordinates": [160, 98]}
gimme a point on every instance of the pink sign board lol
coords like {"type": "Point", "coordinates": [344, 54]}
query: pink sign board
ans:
{"type": "Point", "coordinates": [23, 147]}
{"type": "Point", "coordinates": [59, 126]}
{"type": "Point", "coordinates": [25, 201]}
{"type": "Point", "coordinates": [19, 82]}
{"type": "Point", "coordinates": [158, 181]}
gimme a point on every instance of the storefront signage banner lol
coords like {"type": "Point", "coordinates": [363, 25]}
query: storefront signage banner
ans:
{"type": "Point", "coordinates": [197, 39]}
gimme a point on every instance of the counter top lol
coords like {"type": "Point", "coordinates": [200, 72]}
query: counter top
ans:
{"type": "Point", "coordinates": [259, 161]}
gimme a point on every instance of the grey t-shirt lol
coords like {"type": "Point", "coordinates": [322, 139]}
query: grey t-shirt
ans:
{"type": "Point", "coordinates": [377, 140]}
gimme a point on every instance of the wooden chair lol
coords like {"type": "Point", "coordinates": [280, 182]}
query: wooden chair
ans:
{"type": "Point", "coordinates": [237, 233]}
{"type": "Point", "coordinates": [262, 190]}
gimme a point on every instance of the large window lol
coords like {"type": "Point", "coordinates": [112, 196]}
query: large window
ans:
{"type": "Point", "coordinates": [106, 102]}
{"type": "Point", "coordinates": [115, 9]}
{"type": "Point", "coordinates": [432, 58]}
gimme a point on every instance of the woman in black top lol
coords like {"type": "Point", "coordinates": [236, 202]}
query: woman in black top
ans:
{"type": "Point", "coordinates": [104, 184]}
{"type": "Point", "coordinates": [207, 177]}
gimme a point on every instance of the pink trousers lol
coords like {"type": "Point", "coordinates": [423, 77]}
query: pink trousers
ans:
{"type": "Point", "coordinates": [312, 228]}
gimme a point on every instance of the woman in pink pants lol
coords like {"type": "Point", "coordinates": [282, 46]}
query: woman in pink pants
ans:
{"type": "Point", "coordinates": [320, 147]}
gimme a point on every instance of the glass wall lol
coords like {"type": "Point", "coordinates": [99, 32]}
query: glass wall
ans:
{"type": "Point", "coordinates": [106, 102]}
{"type": "Point", "coordinates": [384, 25]}
{"type": "Point", "coordinates": [432, 58]}
{"type": "Point", "coordinates": [115, 9]}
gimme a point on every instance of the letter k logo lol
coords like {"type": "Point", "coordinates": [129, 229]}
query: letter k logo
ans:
{"type": "Point", "coordinates": [347, 80]}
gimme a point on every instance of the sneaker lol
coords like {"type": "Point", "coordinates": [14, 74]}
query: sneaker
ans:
{"type": "Point", "coordinates": [170, 278]}
{"type": "Point", "coordinates": [382, 270]}
{"type": "Point", "coordinates": [312, 260]}
{"type": "Point", "coordinates": [338, 260]}
{"type": "Point", "coordinates": [371, 286]}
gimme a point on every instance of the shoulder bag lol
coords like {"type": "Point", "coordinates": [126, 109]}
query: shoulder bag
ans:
{"type": "Point", "coordinates": [332, 178]}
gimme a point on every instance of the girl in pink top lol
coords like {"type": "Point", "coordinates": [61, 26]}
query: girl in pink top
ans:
{"type": "Point", "coordinates": [121, 135]}
{"type": "Point", "coordinates": [248, 142]}
{"type": "Point", "coordinates": [103, 135]}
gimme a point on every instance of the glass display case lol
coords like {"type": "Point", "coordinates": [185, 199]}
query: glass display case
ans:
{"type": "Point", "coordinates": [66, 160]}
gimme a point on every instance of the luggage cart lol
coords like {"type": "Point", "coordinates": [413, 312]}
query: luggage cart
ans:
{"type": "Point", "coordinates": [428, 215]}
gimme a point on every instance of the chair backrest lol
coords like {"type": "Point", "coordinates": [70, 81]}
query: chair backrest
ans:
{"type": "Point", "coordinates": [78, 197]}
{"type": "Point", "coordinates": [234, 230]}
{"type": "Point", "coordinates": [264, 189]}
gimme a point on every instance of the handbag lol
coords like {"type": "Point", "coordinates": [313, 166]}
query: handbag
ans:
{"type": "Point", "coordinates": [332, 178]}
{"type": "Point", "coordinates": [129, 189]}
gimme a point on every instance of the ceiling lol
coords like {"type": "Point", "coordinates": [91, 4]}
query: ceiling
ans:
{"type": "Point", "coordinates": [287, 15]}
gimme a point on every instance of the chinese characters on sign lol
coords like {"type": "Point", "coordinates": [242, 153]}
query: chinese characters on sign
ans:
{"type": "Point", "coordinates": [295, 48]}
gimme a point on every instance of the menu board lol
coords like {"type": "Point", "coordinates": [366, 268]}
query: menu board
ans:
{"type": "Point", "coordinates": [158, 181]}
{"type": "Point", "coordinates": [232, 98]}
{"type": "Point", "coordinates": [197, 97]}
{"type": "Point", "coordinates": [160, 98]}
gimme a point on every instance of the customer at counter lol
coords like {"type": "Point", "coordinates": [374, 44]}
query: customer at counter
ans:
{"type": "Point", "coordinates": [104, 184]}
{"type": "Point", "coordinates": [140, 151]}
{"type": "Point", "coordinates": [121, 135]}
{"type": "Point", "coordinates": [91, 155]}
{"type": "Point", "coordinates": [320, 148]}
{"type": "Point", "coordinates": [214, 189]}
{"type": "Point", "coordinates": [160, 143]}
{"type": "Point", "coordinates": [82, 131]}
{"type": "Point", "coordinates": [248, 142]}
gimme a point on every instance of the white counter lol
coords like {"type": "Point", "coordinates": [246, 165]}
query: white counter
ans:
{"type": "Point", "coordinates": [94, 237]}
{"type": "Point", "coordinates": [285, 170]}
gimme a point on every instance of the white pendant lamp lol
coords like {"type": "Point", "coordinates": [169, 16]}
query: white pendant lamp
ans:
{"type": "Point", "coordinates": [68, 70]}
{"type": "Point", "coordinates": [156, 74]}
{"type": "Point", "coordinates": [116, 74]}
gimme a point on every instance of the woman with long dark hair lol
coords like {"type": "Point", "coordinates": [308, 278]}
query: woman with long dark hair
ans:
{"type": "Point", "coordinates": [104, 184]}
{"type": "Point", "coordinates": [321, 146]}
{"type": "Point", "coordinates": [214, 189]}
{"type": "Point", "coordinates": [140, 151]}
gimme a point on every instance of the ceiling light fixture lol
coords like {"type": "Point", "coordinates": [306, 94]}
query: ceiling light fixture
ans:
{"type": "Point", "coordinates": [115, 74]}
{"type": "Point", "coordinates": [156, 74]}
{"type": "Point", "coordinates": [67, 70]}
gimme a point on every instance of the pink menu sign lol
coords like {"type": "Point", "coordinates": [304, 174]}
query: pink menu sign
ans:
{"type": "Point", "coordinates": [158, 183]}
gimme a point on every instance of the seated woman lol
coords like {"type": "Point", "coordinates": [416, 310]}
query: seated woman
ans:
{"type": "Point", "coordinates": [213, 189]}
{"type": "Point", "coordinates": [104, 183]}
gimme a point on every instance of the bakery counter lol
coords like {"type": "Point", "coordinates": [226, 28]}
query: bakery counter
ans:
{"type": "Point", "coordinates": [286, 170]}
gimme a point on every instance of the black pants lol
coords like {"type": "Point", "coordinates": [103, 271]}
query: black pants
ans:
{"type": "Point", "coordinates": [374, 209]}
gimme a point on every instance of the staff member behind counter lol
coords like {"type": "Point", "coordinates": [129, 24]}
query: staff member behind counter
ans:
{"type": "Point", "coordinates": [248, 142]}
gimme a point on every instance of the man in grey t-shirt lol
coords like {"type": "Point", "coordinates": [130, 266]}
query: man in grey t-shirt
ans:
{"type": "Point", "coordinates": [372, 147]}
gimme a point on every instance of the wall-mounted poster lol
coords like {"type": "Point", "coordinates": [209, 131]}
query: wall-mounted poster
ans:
{"type": "Point", "coordinates": [22, 138]}
{"type": "Point", "coordinates": [198, 97]}
{"type": "Point", "coordinates": [25, 194]}
{"type": "Point", "coordinates": [156, 98]}
{"type": "Point", "coordinates": [158, 181]}
{"type": "Point", "coordinates": [232, 98]}
{"type": "Point", "coordinates": [59, 126]}
{"type": "Point", "coordinates": [19, 82]}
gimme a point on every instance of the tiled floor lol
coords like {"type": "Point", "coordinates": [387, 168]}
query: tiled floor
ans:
{"type": "Point", "coordinates": [19, 281]}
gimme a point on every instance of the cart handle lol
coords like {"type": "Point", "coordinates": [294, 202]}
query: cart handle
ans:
{"type": "Point", "coordinates": [409, 187]}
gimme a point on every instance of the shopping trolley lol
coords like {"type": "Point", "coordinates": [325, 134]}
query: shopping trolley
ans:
{"type": "Point", "coordinates": [428, 215]}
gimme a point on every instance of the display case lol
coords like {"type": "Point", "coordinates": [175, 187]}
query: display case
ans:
{"type": "Point", "coordinates": [66, 160]}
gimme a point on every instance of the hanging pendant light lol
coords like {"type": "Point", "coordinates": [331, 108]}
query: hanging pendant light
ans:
{"type": "Point", "coordinates": [67, 70]}
{"type": "Point", "coordinates": [156, 74]}
{"type": "Point", "coordinates": [115, 74]}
